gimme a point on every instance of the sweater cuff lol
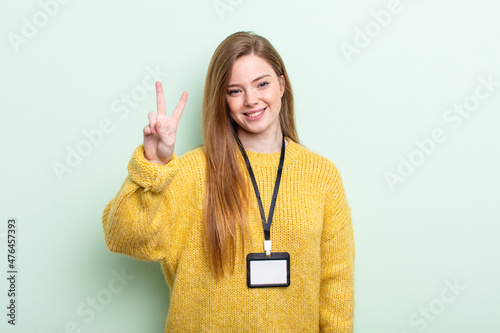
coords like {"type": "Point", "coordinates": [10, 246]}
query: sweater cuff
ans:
{"type": "Point", "coordinates": [149, 175]}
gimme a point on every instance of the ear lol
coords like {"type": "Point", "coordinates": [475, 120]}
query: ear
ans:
{"type": "Point", "coordinates": [282, 85]}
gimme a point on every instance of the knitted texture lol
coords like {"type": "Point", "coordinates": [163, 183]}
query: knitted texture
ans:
{"type": "Point", "coordinates": [158, 216]}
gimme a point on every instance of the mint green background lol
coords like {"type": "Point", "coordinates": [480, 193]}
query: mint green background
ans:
{"type": "Point", "coordinates": [441, 224]}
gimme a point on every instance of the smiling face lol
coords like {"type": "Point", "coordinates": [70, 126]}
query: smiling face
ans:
{"type": "Point", "coordinates": [254, 98]}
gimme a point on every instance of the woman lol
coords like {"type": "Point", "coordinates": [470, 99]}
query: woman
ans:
{"type": "Point", "coordinates": [200, 215]}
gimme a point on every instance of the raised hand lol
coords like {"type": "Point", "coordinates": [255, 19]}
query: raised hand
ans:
{"type": "Point", "coordinates": [159, 135]}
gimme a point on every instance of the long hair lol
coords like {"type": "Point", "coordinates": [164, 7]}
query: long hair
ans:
{"type": "Point", "coordinates": [226, 201]}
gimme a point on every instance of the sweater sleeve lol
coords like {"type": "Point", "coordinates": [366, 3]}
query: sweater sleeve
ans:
{"type": "Point", "coordinates": [137, 220]}
{"type": "Point", "coordinates": [337, 262]}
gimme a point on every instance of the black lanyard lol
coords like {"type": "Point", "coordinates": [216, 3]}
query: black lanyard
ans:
{"type": "Point", "coordinates": [265, 224]}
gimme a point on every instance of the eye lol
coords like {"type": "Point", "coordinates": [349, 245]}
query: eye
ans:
{"type": "Point", "coordinates": [263, 84]}
{"type": "Point", "coordinates": [232, 92]}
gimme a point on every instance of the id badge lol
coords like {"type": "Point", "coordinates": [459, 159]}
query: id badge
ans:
{"type": "Point", "coordinates": [268, 271]}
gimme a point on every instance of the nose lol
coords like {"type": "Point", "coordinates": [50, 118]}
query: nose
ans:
{"type": "Point", "coordinates": [251, 98]}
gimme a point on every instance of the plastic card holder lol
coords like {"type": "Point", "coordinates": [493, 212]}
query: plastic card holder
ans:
{"type": "Point", "coordinates": [268, 271]}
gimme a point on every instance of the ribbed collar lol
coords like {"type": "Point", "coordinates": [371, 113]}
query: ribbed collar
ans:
{"type": "Point", "coordinates": [292, 151]}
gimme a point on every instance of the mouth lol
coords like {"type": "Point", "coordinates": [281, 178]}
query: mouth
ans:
{"type": "Point", "coordinates": [255, 113]}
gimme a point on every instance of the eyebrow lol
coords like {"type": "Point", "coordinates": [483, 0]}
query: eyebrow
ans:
{"type": "Point", "coordinates": [256, 79]}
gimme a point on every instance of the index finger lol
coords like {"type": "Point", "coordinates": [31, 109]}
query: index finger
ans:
{"type": "Point", "coordinates": [160, 99]}
{"type": "Point", "coordinates": [180, 106]}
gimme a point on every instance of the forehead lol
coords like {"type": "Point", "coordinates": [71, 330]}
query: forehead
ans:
{"type": "Point", "coordinates": [248, 67]}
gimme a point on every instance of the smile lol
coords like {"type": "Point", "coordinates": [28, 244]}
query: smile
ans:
{"type": "Point", "coordinates": [254, 114]}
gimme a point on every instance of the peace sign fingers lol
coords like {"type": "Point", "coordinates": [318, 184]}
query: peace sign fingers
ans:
{"type": "Point", "coordinates": [160, 134]}
{"type": "Point", "coordinates": [160, 103]}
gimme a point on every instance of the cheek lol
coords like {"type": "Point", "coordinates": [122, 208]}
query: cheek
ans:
{"type": "Point", "coordinates": [274, 97]}
{"type": "Point", "coordinates": [232, 105]}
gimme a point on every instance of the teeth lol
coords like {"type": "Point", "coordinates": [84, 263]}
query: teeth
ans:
{"type": "Point", "coordinates": [254, 114]}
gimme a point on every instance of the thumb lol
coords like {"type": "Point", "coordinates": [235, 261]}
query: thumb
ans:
{"type": "Point", "coordinates": [158, 127]}
{"type": "Point", "coordinates": [162, 130]}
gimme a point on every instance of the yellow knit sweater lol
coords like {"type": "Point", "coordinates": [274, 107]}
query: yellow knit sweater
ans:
{"type": "Point", "coordinates": [157, 215]}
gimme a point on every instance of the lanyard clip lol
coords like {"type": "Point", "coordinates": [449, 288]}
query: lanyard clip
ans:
{"type": "Point", "coordinates": [267, 247]}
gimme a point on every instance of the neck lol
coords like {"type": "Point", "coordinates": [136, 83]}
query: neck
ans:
{"type": "Point", "coordinates": [262, 142]}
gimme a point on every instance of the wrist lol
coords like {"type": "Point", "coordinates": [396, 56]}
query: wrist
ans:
{"type": "Point", "coordinates": [157, 161]}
